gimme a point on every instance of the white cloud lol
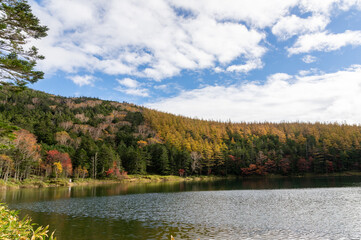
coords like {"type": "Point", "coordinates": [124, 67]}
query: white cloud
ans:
{"type": "Point", "coordinates": [248, 66]}
{"type": "Point", "coordinates": [324, 97]}
{"type": "Point", "coordinates": [141, 92]}
{"type": "Point", "coordinates": [320, 6]}
{"type": "Point", "coordinates": [278, 77]}
{"type": "Point", "coordinates": [82, 80]}
{"type": "Point", "coordinates": [218, 70]}
{"type": "Point", "coordinates": [131, 87]}
{"type": "Point", "coordinates": [309, 59]}
{"type": "Point", "coordinates": [128, 82]}
{"type": "Point", "coordinates": [325, 41]}
{"type": "Point", "coordinates": [142, 38]}
{"type": "Point", "coordinates": [309, 72]}
{"type": "Point", "coordinates": [256, 13]}
{"type": "Point", "coordinates": [151, 39]}
{"type": "Point", "coordinates": [293, 25]}
{"type": "Point", "coordinates": [327, 6]}
{"type": "Point", "coordinates": [169, 88]}
{"type": "Point", "coordinates": [162, 87]}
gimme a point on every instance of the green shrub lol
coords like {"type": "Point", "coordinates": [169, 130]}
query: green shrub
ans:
{"type": "Point", "coordinates": [11, 227]}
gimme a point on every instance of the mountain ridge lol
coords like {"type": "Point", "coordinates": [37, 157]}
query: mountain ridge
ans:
{"type": "Point", "coordinates": [107, 138]}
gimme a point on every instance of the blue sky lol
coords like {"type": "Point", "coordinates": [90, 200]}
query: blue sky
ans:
{"type": "Point", "coordinates": [249, 60]}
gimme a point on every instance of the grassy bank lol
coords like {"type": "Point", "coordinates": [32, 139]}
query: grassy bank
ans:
{"type": "Point", "coordinates": [171, 178]}
{"type": "Point", "coordinates": [60, 182]}
{"type": "Point", "coordinates": [37, 182]}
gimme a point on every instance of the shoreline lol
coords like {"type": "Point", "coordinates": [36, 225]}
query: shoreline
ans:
{"type": "Point", "coordinates": [64, 182]}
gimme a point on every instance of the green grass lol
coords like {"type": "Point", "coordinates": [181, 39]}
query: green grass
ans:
{"type": "Point", "coordinates": [11, 227]}
{"type": "Point", "coordinates": [39, 182]}
{"type": "Point", "coordinates": [90, 181]}
{"type": "Point", "coordinates": [172, 178]}
{"type": "Point", "coordinates": [152, 178]}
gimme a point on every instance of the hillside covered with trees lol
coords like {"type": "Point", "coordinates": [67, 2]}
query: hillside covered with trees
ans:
{"type": "Point", "coordinates": [82, 137]}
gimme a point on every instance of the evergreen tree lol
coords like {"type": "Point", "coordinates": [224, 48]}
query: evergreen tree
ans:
{"type": "Point", "coordinates": [159, 159]}
{"type": "Point", "coordinates": [107, 158]}
{"type": "Point", "coordinates": [17, 26]}
{"type": "Point", "coordinates": [6, 135]}
{"type": "Point", "coordinates": [80, 158]}
{"type": "Point", "coordinates": [135, 161]}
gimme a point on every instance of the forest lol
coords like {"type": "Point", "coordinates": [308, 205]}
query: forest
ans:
{"type": "Point", "coordinates": [53, 136]}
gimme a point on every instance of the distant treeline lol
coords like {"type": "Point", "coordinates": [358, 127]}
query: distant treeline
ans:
{"type": "Point", "coordinates": [86, 137]}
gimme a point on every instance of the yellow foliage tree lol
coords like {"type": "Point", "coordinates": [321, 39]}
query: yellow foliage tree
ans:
{"type": "Point", "coordinates": [58, 169]}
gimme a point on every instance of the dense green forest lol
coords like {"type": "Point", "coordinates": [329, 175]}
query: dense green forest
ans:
{"type": "Point", "coordinates": [82, 137]}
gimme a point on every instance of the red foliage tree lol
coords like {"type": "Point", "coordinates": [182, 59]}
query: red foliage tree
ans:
{"type": "Point", "coordinates": [329, 166]}
{"type": "Point", "coordinates": [303, 165]}
{"type": "Point", "coordinates": [181, 172]}
{"type": "Point", "coordinates": [270, 166]}
{"type": "Point", "coordinates": [56, 156]}
{"type": "Point", "coordinates": [115, 171]}
{"type": "Point", "coordinates": [284, 165]}
{"type": "Point", "coordinates": [254, 169]}
{"type": "Point", "coordinates": [110, 171]}
{"type": "Point", "coordinates": [66, 163]}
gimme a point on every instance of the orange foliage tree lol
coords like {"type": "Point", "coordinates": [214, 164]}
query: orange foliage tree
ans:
{"type": "Point", "coordinates": [27, 154]}
{"type": "Point", "coordinates": [54, 156]}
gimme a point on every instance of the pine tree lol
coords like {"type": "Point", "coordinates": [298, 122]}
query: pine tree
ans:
{"type": "Point", "coordinates": [17, 26]}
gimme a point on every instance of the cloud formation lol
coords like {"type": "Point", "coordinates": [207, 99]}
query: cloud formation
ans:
{"type": "Point", "coordinates": [161, 38]}
{"type": "Point", "coordinates": [142, 39]}
{"type": "Point", "coordinates": [82, 80]}
{"type": "Point", "coordinates": [325, 41]}
{"type": "Point", "coordinates": [131, 87]}
{"type": "Point", "coordinates": [309, 59]}
{"type": "Point", "coordinates": [290, 26]}
{"type": "Point", "coordinates": [322, 97]}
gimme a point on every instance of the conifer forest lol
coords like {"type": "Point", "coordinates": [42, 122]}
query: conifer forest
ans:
{"type": "Point", "coordinates": [53, 136]}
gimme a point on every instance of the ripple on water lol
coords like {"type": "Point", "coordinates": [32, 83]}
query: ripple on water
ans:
{"type": "Point", "coordinates": [318, 213]}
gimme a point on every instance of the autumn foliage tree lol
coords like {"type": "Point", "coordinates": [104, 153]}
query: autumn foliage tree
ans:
{"type": "Point", "coordinates": [303, 165]}
{"type": "Point", "coordinates": [95, 133]}
{"type": "Point", "coordinates": [6, 166]}
{"type": "Point", "coordinates": [27, 153]}
{"type": "Point", "coordinates": [116, 171]}
{"type": "Point", "coordinates": [63, 138]}
{"type": "Point", "coordinates": [80, 172]}
{"type": "Point", "coordinates": [55, 160]}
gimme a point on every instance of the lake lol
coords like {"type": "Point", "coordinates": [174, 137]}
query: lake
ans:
{"type": "Point", "coordinates": [283, 208]}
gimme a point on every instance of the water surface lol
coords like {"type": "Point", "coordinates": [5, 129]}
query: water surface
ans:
{"type": "Point", "coordinates": [290, 208]}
